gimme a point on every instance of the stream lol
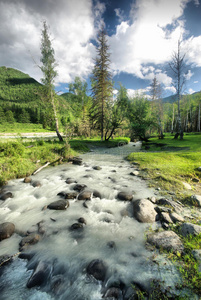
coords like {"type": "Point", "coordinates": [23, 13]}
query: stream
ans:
{"type": "Point", "coordinates": [108, 233]}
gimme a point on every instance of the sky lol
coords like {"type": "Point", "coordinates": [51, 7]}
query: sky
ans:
{"type": "Point", "coordinates": [142, 36]}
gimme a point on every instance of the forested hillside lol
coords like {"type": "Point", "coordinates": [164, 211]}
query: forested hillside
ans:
{"type": "Point", "coordinates": [22, 99]}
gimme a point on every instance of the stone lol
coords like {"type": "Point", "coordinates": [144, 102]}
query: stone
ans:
{"type": "Point", "coordinates": [76, 226]}
{"type": "Point", "coordinates": [40, 275]}
{"type": "Point", "coordinates": [176, 205]}
{"type": "Point", "coordinates": [6, 195]}
{"type": "Point", "coordinates": [31, 239]}
{"type": "Point", "coordinates": [70, 180]}
{"type": "Point", "coordinates": [76, 160]}
{"type": "Point", "coordinates": [134, 173]}
{"type": "Point", "coordinates": [189, 229]}
{"type": "Point", "coordinates": [85, 195]}
{"type": "Point", "coordinates": [96, 194]}
{"type": "Point", "coordinates": [71, 195]}
{"type": "Point", "coordinates": [62, 194]}
{"type": "Point", "coordinates": [6, 230]}
{"type": "Point", "coordinates": [27, 180]}
{"type": "Point", "coordinates": [36, 184]}
{"type": "Point", "coordinates": [82, 221]}
{"type": "Point", "coordinates": [196, 200]}
{"type": "Point", "coordinates": [199, 169]}
{"type": "Point", "coordinates": [176, 218]}
{"type": "Point", "coordinates": [144, 211]}
{"type": "Point", "coordinates": [113, 293]}
{"type": "Point", "coordinates": [98, 269]}
{"type": "Point", "coordinates": [165, 217]}
{"type": "Point", "coordinates": [79, 187]}
{"type": "Point", "coordinates": [167, 240]}
{"type": "Point", "coordinates": [187, 185]}
{"type": "Point", "coordinates": [125, 196]}
{"type": "Point", "coordinates": [97, 168]}
{"type": "Point", "coordinates": [59, 205]}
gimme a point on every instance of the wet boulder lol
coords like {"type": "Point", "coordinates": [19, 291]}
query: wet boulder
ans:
{"type": "Point", "coordinates": [98, 269]}
{"type": "Point", "coordinates": [71, 195]}
{"type": "Point", "coordinates": [40, 275]}
{"type": "Point", "coordinates": [113, 293]}
{"type": "Point", "coordinates": [36, 184]}
{"type": "Point", "coordinates": [144, 211]}
{"type": "Point", "coordinates": [27, 180]}
{"type": "Point", "coordinates": [76, 226]}
{"type": "Point", "coordinates": [79, 187]}
{"type": "Point", "coordinates": [6, 195]}
{"type": "Point", "coordinates": [85, 195]}
{"type": "Point", "coordinates": [59, 205]}
{"type": "Point", "coordinates": [62, 194]}
{"type": "Point", "coordinates": [82, 220]}
{"type": "Point", "coordinates": [70, 180]}
{"type": "Point", "coordinates": [189, 229]}
{"type": "Point", "coordinates": [76, 160]}
{"type": "Point", "coordinates": [31, 239]}
{"type": "Point", "coordinates": [167, 240]}
{"type": "Point", "coordinates": [96, 194]}
{"type": "Point", "coordinates": [98, 168]}
{"type": "Point", "coordinates": [6, 230]}
{"type": "Point", "coordinates": [125, 196]}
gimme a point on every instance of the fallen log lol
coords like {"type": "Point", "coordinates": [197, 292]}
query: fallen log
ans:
{"type": "Point", "coordinates": [42, 167]}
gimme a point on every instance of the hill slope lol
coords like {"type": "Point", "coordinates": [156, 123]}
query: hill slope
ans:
{"type": "Point", "coordinates": [22, 97]}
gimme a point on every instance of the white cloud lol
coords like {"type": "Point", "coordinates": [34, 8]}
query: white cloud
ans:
{"type": "Point", "coordinates": [189, 75]}
{"type": "Point", "coordinates": [170, 89]}
{"type": "Point", "coordinates": [150, 39]}
{"type": "Point", "coordinates": [196, 81]}
{"type": "Point", "coordinates": [71, 27]}
{"type": "Point", "coordinates": [193, 49]}
{"type": "Point", "coordinates": [120, 14]}
{"type": "Point", "coordinates": [191, 91]}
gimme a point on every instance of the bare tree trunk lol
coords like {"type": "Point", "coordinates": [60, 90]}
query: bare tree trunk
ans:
{"type": "Point", "coordinates": [172, 128]}
{"type": "Point", "coordinates": [198, 127]}
{"type": "Point", "coordinates": [55, 117]}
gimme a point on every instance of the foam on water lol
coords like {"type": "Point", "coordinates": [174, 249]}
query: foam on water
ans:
{"type": "Point", "coordinates": [69, 253]}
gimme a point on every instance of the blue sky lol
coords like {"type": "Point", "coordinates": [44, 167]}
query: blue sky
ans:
{"type": "Point", "coordinates": [142, 35]}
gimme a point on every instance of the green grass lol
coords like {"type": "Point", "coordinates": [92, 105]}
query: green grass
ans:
{"type": "Point", "coordinates": [169, 167]}
{"type": "Point", "coordinates": [19, 159]}
{"type": "Point", "coordinates": [21, 163]}
{"type": "Point", "coordinates": [21, 128]}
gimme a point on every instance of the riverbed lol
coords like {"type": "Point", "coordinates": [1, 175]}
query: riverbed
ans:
{"type": "Point", "coordinates": [109, 232]}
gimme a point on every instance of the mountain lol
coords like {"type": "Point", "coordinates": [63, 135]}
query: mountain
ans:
{"type": "Point", "coordinates": [22, 96]}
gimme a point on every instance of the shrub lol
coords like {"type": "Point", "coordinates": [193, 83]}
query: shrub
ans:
{"type": "Point", "coordinates": [12, 149]}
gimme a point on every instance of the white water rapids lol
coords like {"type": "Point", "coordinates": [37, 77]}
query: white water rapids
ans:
{"type": "Point", "coordinates": [68, 253]}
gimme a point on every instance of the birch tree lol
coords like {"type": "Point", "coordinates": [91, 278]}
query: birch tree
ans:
{"type": "Point", "coordinates": [48, 69]}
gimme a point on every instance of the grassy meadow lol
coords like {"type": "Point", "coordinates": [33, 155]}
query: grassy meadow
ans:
{"type": "Point", "coordinates": [170, 163]}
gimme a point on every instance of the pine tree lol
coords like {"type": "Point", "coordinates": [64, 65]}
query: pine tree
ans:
{"type": "Point", "coordinates": [49, 72]}
{"type": "Point", "coordinates": [101, 84]}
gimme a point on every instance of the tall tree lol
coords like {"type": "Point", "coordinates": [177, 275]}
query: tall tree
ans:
{"type": "Point", "coordinates": [157, 107]}
{"type": "Point", "coordinates": [101, 84]}
{"type": "Point", "coordinates": [177, 66]}
{"type": "Point", "coordinates": [49, 72]}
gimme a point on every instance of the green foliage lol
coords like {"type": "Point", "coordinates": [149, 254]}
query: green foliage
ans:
{"type": "Point", "coordinates": [17, 160]}
{"type": "Point", "coordinates": [138, 115]}
{"type": "Point", "coordinates": [101, 85]}
{"type": "Point", "coordinates": [11, 149]}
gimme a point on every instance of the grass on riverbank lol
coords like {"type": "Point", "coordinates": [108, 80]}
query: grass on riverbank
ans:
{"type": "Point", "coordinates": [19, 159]}
{"type": "Point", "coordinates": [170, 162]}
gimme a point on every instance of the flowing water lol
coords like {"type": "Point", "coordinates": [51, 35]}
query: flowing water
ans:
{"type": "Point", "coordinates": [110, 234]}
